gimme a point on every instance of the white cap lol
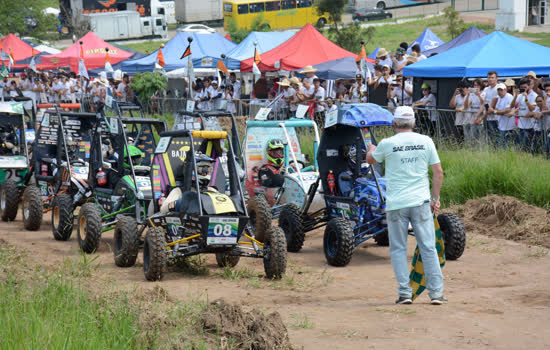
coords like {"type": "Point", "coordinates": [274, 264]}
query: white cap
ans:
{"type": "Point", "coordinates": [404, 112]}
{"type": "Point", "coordinates": [214, 82]}
{"type": "Point", "coordinates": [103, 75]}
{"type": "Point", "coordinates": [501, 86]}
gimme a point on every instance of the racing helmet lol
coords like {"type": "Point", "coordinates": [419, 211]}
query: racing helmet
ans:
{"type": "Point", "coordinates": [350, 153]}
{"type": "Point", "coordinates": [204, 169]}
{"type": "Point", "coordinates": [135, 153]}
{"type": "Point", "coordinates": [275, 152]}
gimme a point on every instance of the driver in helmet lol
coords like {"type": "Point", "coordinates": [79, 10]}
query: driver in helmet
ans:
{"type": "Point", "coordinates": [135, 154]}
{"type": "Point", "coordinates": [345, 181]}
{"type": "Point", "coordinates": [271, 174]}
{"type": "Point", "coordinates": [204, 175]}
{"type": "Point", "coordinates": [8, 140]}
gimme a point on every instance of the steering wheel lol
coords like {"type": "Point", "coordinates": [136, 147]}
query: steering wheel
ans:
{"type": "Point", "coordinates": [292, 168]}
{"type": "Point", "coordinates": [78, 162]}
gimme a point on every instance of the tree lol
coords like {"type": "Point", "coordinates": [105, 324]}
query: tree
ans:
{"type": "Point", "coordinates": [27, 19]}
{"type": "Point", "coordinates": [334, 8]}
{"type": "Point", "coordinates": [349, 36]}
{"type": "Point", "coordinates": [148, 84]}
{"type": "Point", "coordinates": [258, 24]}
{"type": "Point", "coordinates": [455, 24]}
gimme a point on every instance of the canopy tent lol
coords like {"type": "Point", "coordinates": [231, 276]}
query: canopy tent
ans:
{"type": "Point", "coordinates": [206, 51]}
{"type": "Point", "coordinates": [265, 41]}
{"type": "Point", "coordinates": [306, 47]}
{"type": "Point", "coordinates": [135, 56]}
{"type": "Point", "coordinates": [342, 68]}
{"type": "Point", "coordinates": [469, 34]}
{"type": "Point", "coordinates": [42, 48]}
{"type": "Point", "coordinates": [503, 53]}
{"type": "Point", "coordinates": [19, 49]}
{"type": "Point", "coordinates": [373, 54]}
{"type": "Point", "coordinates": [94, 54]}
{"type": "Point", "coordinates": [427, 41]}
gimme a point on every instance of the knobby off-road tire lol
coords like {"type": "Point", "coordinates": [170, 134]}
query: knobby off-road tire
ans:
{"type": "Point", "coordinates": [9, 200]}
{"type": "Point", "coordinates": [275, 253]}
{"type": "Point", "coordinates": [154, 254]}
{"type": "Point", "coordinates": [126, 242]}
{"type": "Point", "coordinates": [89, 228]}
{"type": "Point", "coordinates": [382, 239]}
{"type": "Point", "coordinates": [290, 221]}
{"type": "Point", "coordinates": [259, 213]}
{"type": "Point", "coordinates": [32, 208]}
{"type": "Point", "coordinates": [62, 217]}
{"type": "Point", "coordinates": [454, 235]}
{"type": "Point", "coordinates": [338, 242]}
{"type": "Point", "coordinates": [224, 259]}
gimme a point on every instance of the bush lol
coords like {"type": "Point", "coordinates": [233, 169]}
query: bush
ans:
{"type": "Point", "coordinates": [147, 84]}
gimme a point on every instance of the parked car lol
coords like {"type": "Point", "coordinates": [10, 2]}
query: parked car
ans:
{"type": "Point", "coordinates": [196, 28]}
{"type": "Point", "coordinates": [366, 14]}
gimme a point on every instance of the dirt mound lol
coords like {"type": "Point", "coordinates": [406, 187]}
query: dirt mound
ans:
{"type": "Point", "coordinates": [247, 329]}
{"type": "Point", "coordinates": [506, 217]}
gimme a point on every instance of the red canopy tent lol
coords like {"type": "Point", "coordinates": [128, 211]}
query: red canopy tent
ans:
{"type": "Point", "coordinates": [94, 54]}
{"type": "Point", "coordinates": [19, 48]}
{"type": "Point", "coordinates": [307, 47]}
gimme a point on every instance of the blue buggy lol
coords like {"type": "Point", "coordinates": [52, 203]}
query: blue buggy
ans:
{"type": "Point", "coordinates": [354, 192]}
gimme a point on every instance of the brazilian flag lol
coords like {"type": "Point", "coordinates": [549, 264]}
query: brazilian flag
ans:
{"type": "Point", "coordinates": [416, 277]}
{"type": "Point", "coordinates": [4, 71]}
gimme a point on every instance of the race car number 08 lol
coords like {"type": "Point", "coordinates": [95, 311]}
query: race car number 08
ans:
{"type": "Point", "coordinates": [220, 229]}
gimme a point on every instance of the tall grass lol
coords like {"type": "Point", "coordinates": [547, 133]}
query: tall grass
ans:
{"type": "Point", "coordinates": [474, 174]}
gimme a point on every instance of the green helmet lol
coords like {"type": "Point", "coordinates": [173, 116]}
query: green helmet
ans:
{"type": "Point", "coordinates": [135, 153]}
{"type": "Point", "coordinates": [275, 152]}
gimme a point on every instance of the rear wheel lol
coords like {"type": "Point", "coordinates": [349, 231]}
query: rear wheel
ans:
{"type": "Point", "coordinates": [321, 22]}
{"type": "Point", "coordinates": [126, 242]}
{"type": "Point", "coordinates": [382, 239]}
{"type": "Point", "coordinates": [381, 5]}
{"type": "Point", "coordinates": [338, 242]}
{"type": "Point", "coordinates": [224, 259]}
{"type": "Point", "coordinates": [290, 221]}
{"type": "Point", "coordinates": [454, 235]}
{"type": "Point", "coordinates": [9, 200]}
{"type": "Point", "coordinates": [32, 208]}
{"type": "Point", "coordinates": [154, 254]}
{"type": "Point", "coordinates": [89, 228]}
{"type": "Point", "coordinates": [275, 253]}
{"type": "Point", "coordinates": [62, 217]}
{"type": "Point", "coordinates": [259, 213]}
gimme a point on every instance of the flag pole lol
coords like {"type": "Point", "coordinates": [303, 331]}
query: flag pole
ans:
{"type": "Point", "coordinates": [189, 63]}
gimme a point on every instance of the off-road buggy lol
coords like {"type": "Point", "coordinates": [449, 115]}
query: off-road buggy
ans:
{"type": "Point", "coordinates": [14, 157]}
{"type": "Point", "coordinates": [355, 191]}
{"type": "Point", "coordinates": [209, 217]}
{"type": "Point", "coordinates": [291, 181]}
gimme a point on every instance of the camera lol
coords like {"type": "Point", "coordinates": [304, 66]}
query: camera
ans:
{"type": "Point", "coordinates": [521, 90]}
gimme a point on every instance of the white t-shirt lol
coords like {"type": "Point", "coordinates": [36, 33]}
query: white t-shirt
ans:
{"type": "Point", "coordinates": [475, 105]}
{"type": "Point", "coordinates": [387, 61]}
{"type": "Point", "coordinates": [537, 122]}
{"type": "Point", "coordinates": [460, 117]}
{"type": "Point", "coordinates": [319, 96]}
{"type": "Point", "coordinates": [291, 93]}
{"type": "Point", "coordinates": [307, 92]}
{"type": "Point", "coordinates": [399, 63]}
{"type": "Point", "coordinates": [525, 123]}
{"type": "Point", "coordinates": [408, 156]}
{"type": "Point", "coordinates": [230, 103]}
{"type": "Point", "coordinates": [310, 79]}
{"type": "Point", "coordinates": [430, 105]}
{"type": "Point", "coordinates": [421, 57]}
{"type": "Point", "coordinates": [505, 122]}
{"type": "Point", "coordinates": [490, 93]}
{"type": "Point", "coordinates": [121, 89]}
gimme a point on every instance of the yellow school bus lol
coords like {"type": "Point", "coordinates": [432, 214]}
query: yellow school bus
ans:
{"type": "Point", "coordinates": [280, 14]}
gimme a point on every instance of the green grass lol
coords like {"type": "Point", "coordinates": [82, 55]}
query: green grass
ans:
{"type": "Point", "coordinates": [471, 174]}
{"type": "Point", "coordinates": [148, 46]}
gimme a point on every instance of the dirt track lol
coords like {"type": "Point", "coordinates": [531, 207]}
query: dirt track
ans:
{"type": "Point", "coordinates": [499, 293]}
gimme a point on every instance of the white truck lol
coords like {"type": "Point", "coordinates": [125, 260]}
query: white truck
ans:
{"type": "Point", "coordinates": [124, 25]}
{"type": "Point", "coordinates": [199, 11]}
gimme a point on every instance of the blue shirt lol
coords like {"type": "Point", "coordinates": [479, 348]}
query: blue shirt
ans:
{"type": "Point", "coordinates": [408, 156]}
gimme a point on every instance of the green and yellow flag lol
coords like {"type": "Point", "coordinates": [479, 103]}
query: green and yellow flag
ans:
{"type": "Point", "coordinates": [416, 277]}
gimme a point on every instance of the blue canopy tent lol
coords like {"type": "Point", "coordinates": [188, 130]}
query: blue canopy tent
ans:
{"type": "Point", "coordinates": [507, 55]}
{"type": "Point", "coordinates": [427, 41]}
{"type": "Point", "coordinates": [265, 41]}
{"type": "Point", "coordinates": [342, 68]}
{"type": "Point", "coordinates": [373, 54]}
{"type": "Point", "coordinates": [469, 34]}
{"type": "Point", "coordinates": [206, 51]}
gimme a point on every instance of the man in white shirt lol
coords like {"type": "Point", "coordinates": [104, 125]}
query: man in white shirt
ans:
{"type": "Point", "coordinates": [24, 83]}
{"type": "Point", "coordinates": [396, 91]}
{"type": "Point", "coordinates": [417, 53]}
{"type": "Point", "coordinates": [526, 103]}
{"type": "Point", "coordinates": [506, 120]}
{"type": "Point", "coordinates": [309, 71]}
{"type": "Point", "coordinates": [236, 85]}
{"type": "Point", "coordinates": [319, 95]}
{"type": "Point", "coordinates": [490, 97]}
{"type": "Point", "coordinates": [460, 102]}
{"type": "Point", "coordinates": [428, 101]}
{"type": "Point", "coordinates": [122, 89]}
{"type": "Point", "coordinates": [382, 57]}
{"type": "Point", "coordinates": [540, 115]}
{"type": "Point", "coordinates": [399, 61]}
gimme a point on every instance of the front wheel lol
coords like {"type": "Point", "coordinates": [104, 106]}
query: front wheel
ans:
{"type": "Point", "coordinates": [275, 253]}
{"type": "Point", "coordinates": [9, 200]}
{"type": "Point", "coordinates": [259, 213]}
{"type": "Point", "coordinates": [224, 259]}
{"type": "Point", "coordinates": [290, 221]}
{"type": "Point", "coordinates": [89, 228]}
{"type": "Point", "coordinates": [338, 242]}
{"type": "Point", "coordinates": [62, 217]}
{"type": "Point", "coordinates": [321, 22]}
{"type": "Point", "coordinates": [454, 235]}
{"type": "Point", "coordinates": [32, 208]}
{"type": "Point", "coordinates": [154, 254]}
{"type": "Point", "coordinates": [126, 242]}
